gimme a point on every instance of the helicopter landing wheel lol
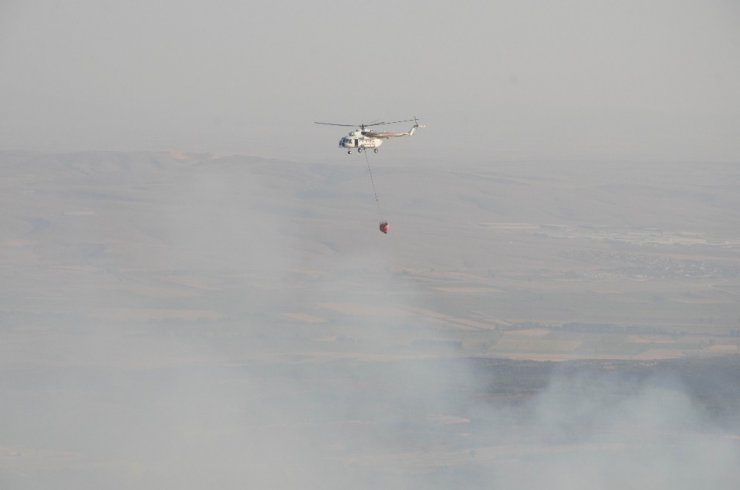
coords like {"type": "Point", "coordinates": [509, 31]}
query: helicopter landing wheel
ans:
{"type": "Point", "coordinates": [375, 150]}
{"type": "Point", "coordinates": [349, 152]}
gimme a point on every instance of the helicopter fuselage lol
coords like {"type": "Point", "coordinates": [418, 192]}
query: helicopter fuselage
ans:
{"type": "Point", "coordinates": [362, 138]}
{"type": "Point", "coordinates": [356, 140]}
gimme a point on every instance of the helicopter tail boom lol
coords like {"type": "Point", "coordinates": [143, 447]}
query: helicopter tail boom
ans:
{"type": "Point", "coordinates": [415, 127]}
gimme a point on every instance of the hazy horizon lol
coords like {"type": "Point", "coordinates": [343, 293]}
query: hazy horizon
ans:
{"type": "Point", "coordinates": [504, 80]}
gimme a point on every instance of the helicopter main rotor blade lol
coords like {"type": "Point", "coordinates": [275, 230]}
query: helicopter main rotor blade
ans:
{"type": "Point", "coordinates": [374, 123]}
{"type": "Point", "coordinates": [389, 122]}
{"type": "Point", "coordinates": [403, 120]}
{"type": "Point", "coordinates": [365, 125]}
{"type": "Point", "coordinates": [336, 124]}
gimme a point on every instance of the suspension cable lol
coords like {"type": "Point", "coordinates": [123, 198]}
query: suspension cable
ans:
{"type": "Point", "coordinates": [372, 182]}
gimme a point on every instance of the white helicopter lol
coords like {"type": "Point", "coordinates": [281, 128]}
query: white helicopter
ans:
{"type": "Point", "coordinates": [368, 139]}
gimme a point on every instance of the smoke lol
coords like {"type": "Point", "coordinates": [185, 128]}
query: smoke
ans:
{"type": "Point", "coordinates": [605, 432]}
{"type": "Point", "coordinates": [224, 337]}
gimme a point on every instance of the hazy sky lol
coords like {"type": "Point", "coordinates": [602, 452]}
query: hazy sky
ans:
{"type": "Point", "coordinates": [638, 79]}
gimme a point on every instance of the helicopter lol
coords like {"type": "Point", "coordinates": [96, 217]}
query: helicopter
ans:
{"type": "Point", "coordinates": [364, 139]}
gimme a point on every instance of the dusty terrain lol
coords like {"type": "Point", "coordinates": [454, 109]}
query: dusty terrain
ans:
{"type": "Point", "coordinates": [526, 260]}
{"type": "Point", "coordinates": [202, 302]}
